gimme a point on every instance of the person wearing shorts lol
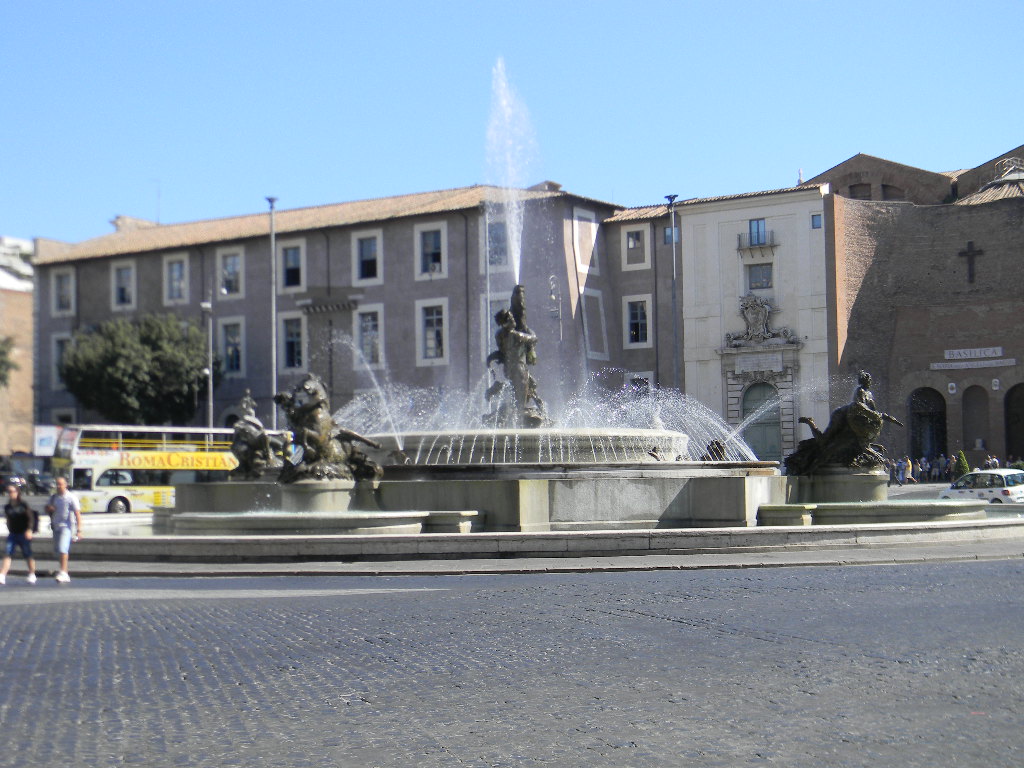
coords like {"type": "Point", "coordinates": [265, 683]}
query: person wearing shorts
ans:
{"type": "Point", "coordinates": [22, 522]}
{"type": "Point", "coordinates": [66, 522]}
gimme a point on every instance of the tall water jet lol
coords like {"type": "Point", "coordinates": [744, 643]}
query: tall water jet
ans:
{"type": "Point", "coordinates": [511, 149]}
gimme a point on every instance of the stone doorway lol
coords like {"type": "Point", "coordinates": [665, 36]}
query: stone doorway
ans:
{"type": "Point", "coordinates": [927, 423]}
{"type": "Point", "coordinates": [764, 436]}
{"type": "Point", "coordinates": [1014, 407]}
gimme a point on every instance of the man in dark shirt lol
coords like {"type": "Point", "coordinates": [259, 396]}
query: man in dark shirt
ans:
{"type": "Point", "coordinates": [22, 522]}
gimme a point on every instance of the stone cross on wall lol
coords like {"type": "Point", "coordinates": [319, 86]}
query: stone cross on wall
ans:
{"type": "Point", "coordinates": [969, 254]}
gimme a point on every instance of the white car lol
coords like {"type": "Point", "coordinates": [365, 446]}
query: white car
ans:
{"type": "Point", "coordinates": [994, 485]}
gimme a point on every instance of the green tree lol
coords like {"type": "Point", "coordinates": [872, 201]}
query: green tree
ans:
{"type": "Point", "coordinates": [962, 467]}
{"type": "Point", "coordinates": [6, 363]}
{"type": "Point", "coordinates": [145, 372]}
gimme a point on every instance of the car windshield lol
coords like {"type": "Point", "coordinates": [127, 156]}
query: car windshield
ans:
{"type": "Point", "coordinates": [1017, 478]}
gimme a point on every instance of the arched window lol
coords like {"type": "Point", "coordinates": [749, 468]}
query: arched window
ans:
{"type": "Point", "coordinates": [976, 418]}
{"type": "Point", "coordinates": [889, 192]}
{"type": "Point", "coordinates": [860, 191]}
{"type": "Point", "coordinates": [927, 423]}
{"type": "Point", "coordinates": [1014, 405]}
{"type": "Point", "coordinates": [764, 432]}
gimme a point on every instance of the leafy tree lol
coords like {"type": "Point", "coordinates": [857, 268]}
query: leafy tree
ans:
{"type": "Point", "coordinates": [144, 372]}
{"type": "Point", "coordinates": [962, 467]}
{"type": "Point", "coordinates": [6, 363]}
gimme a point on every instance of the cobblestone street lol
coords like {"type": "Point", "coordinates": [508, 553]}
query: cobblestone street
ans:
{"type": "Point", "coordinates": [917, 665]}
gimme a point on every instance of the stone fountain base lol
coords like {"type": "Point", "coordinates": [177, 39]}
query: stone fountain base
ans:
{"type": "Point", "coordinates": [551, 445]}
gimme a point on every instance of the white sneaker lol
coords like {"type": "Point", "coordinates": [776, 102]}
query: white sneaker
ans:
{"type": "Point", "coordinates": [62, 577]}
{"type": "Point", "coordinates": [31, 578]}
{"type": "Point", "coordinates": [3, 579]}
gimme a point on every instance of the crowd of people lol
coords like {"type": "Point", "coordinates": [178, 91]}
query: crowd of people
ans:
{"type": "Point", "coordinates": [941, 469]}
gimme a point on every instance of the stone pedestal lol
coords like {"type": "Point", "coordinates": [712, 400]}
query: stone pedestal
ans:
{"type": "Point", "coordinates": [838, 485]}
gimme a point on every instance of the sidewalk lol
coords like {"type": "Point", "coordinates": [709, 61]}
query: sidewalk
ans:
{"type": "Point", "coordinates": [1002, 549]}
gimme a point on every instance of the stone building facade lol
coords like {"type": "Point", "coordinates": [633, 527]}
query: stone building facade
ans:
{"type": "Point", "coordinates": [402, 288]}
{"type": "Point", "coordinates": [750, 337]}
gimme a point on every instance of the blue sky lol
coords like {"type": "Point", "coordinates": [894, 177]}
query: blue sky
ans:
{"type": "Point", "coordinates": [189, 110]}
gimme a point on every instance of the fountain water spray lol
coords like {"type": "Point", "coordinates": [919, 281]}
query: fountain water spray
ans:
{"type": "Point", "coordinates": [511, 148]}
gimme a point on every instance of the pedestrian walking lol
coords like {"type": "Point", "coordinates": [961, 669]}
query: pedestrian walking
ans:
{"type": "Point", "coordinates": [22, 522]}
{"type": "Point", "coordinates": [66, 522]}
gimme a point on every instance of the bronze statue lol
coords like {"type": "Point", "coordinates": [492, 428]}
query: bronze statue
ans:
{"type": "Point", "coordinates": [255, 448]}
{"type": "Point", "coordinates": [323, 449]}
{"type": "Point", "coordinates": [848, 441]}
{"type": "Point", "coordinates": [519, 405]}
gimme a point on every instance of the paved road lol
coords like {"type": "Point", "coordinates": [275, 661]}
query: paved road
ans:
{"type": "Point", "coordinates": [909, 665]}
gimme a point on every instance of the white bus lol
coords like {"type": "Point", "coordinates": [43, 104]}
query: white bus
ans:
{"type": "Point", "coordinates": [118, 468]}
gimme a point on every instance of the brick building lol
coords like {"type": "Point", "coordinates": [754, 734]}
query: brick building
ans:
{"type": "Point", "coordinates": [928, 298]}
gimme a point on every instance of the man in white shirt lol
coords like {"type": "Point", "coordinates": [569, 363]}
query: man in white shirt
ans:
{"type": "Point", "coordinates": [66, 522]}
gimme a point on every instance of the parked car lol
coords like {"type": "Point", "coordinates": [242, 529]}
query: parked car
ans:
{"type": "Point", "coordinates": [994, 485]}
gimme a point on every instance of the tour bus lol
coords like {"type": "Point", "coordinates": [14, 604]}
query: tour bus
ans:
{"type": "Point", "coordinates": [118, 468]}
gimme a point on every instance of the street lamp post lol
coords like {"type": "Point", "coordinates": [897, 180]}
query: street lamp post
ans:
{"type": "Point", "coordinates": [207, 309]}
{"type": "Point", "coordinates": [273, 314]}
{"type": "Point", "coordinates": [675, 313]}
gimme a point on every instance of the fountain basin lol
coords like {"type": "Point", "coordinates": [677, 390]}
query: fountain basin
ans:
{"type": "Point", "coordinates": [536, 446]}
{"type": "Point", "coordinates": [869, 512]}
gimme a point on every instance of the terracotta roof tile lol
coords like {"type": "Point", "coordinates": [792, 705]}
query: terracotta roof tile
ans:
{"type": "Point", "coordinates": [143, 238]}
{"type": "Point", "coordinates": [647, 212]}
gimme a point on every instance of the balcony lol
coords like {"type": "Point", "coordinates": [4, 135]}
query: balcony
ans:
{"type": "Point", "coordinates": [746, 241]}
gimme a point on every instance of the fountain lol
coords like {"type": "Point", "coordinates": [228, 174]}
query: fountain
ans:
{"type": "Point", "coordinates": [495, 458]}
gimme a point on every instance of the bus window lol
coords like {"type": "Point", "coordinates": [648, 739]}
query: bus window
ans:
{"type": "Point", "coordinates": [81, 479]}
{"type": "Point", "coordinates": [115, 477]}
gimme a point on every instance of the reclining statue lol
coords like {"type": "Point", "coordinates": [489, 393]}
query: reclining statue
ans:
{"type": "Point", "coordinates": [849, 439]}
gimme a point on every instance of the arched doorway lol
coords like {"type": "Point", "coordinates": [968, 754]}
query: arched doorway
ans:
{"type": "Point", "coordinates": [976, 433]}
{"type": "Point", "coordinates": [764, 434]}
{"type": "Point", "coordinates": [927, 423]}
{"type": "Point", "coordinates": [1014, 407]}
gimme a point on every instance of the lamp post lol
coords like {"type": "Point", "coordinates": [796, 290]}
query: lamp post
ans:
{"type": "Point", "coordinates": [675, 313]}
{"type": "Point", "coordinates": [273, 314]}
{"type": "Point", "coordinates": [207, 309]}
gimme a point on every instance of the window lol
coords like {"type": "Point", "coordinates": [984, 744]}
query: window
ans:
{"type": "Point", "coordinates": [432, 332]}
{"type": "Point", "coordinates": [62, 292]}
{"type": "Point", "coordinates": [59, 344]}
{"type": "Point", "coordinates": [431, 250]}
{"type": "Point", "coordinates": [497, 244]}
{"type": "Point", "coordinates": [634, 249]}
{"type": "Point", "coordinates": [175, 279]}
{"type": "Point", "coordinates": [292, 263]}
{"type": "Point", "coordinates": [668, 236]}
{"type": "Point", "coordinates": [758, 232]}
{"type": "Point", "coordinates": [293, 341]}
{"type": "Point", "coordinates": [759, 276]}
{"type": "Point", "coordinates": [368, 332]}
{"type": "Point", "coordinates": [815, 221]}
{"type": "Point", "coordinates": [63, 416]}
{"type": "Point", "coordinates": [231, 273]}
{"type": "Point", "coordinates": [122, 285]}
{"type": "Point", "coordinates": [890, 192]}
{"type": "Point", "coordinates": [367, 264]}
{"type": "Point", "coordinates": [232, 345]}
{"type": "Point", "coordinates": [860, 191]}
{"type": "Point", "coordinates": [594, 328]}
{"type": "Point", "coordinates": [635, 316]}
